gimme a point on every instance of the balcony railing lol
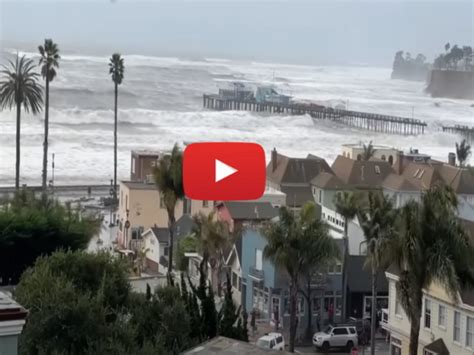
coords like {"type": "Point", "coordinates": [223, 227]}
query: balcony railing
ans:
{"type": "Point", "coordinates": [256, 274]}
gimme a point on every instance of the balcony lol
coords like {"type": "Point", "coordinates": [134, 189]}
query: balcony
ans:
{"type": "Point", "coordinates": [256, 274]}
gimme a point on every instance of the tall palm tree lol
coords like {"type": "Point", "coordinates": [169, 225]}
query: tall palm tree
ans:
{"type": "Point", "coordinates": [168, 175]}
{"type": "Point", "coordinates": [19, 88]}
{"type": "Point", "coordinates": [346, 205]}
{"type": "Point", "coordinates": [116, 70]}
{"type": "Point", "coordinates": [294, 243]}
{"type": "Point", "coordinates": [377, 219]}
{"type": "Point", "coordinates": [49, 61]}
{"type": "Point", "coordinates": [368, 151]}
{"type": "Point", "coordinates": [432, 246]}
{"type": "Point", "coordinates": [463, 152]}
{"type": "Point", "coordinates": [213, 239]}
{"type": "Point", "coordinates": [319, 250]}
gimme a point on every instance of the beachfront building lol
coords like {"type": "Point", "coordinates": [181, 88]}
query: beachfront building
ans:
{"type": "Point", "coordinates": [140, 204]}
{"type": "Point", "coordinates": [293, 176]}
{"type": "Point", "coordinates": [12, 320]}
{"type": "Point", "coordinates": [142, 163]}
{"type": "Point", "coordinates": [446, 325]}
{"type": "Point", "coordinates": [381, 152]}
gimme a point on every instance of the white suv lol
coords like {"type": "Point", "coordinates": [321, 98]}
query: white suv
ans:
{"type": "Point", "coordinates": [272, 341]}
{"type": "Point", "coordinates": [339, 336]}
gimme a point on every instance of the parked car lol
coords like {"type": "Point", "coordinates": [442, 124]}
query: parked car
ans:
{"type": "Point", "coordinates": [272, 341]}
{"type": "Point", "coordinates": [336, 336]}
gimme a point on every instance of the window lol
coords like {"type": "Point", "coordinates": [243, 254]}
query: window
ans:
{"type": "Point", "coordinates": [383, 157]}
{"type": "Point", "coordinates": [339, 331]}
{"type": "Point", "coordinates": [390, 160]}
{"type": "Point", "coordinates": [457, 327]}
{"type": "Point", "coordinates": [359, 157]}
{"type": "Point", "coordinates": [397, 306]}
{"type": "Point", "coordinates": [352, 330]}
{"type": "Point", "coordinates": [427, 313]}
{"type": "Point", "coordinates": [205, 203]}
{"type": "Point", "coordinates": [335, 268]}
{"type": "Point", "coordinates": [442, 316]}
{"type": "Point", "coordinates": [186, 206]}
{"type": "Point", "coordinates": [320, 198]}
{"type": "Point", "coordinates": [258, 259]}
{"type": "Point", "coordinates": [316, 304]}
{"type": "Point", "coordinates": [234, 279]}
{"type": "Point", "coordinates": [133, 165]}
{"type": "Point", "coordinates": [469, 332]}
{"type": "Point", "coordinates": [377, 170]}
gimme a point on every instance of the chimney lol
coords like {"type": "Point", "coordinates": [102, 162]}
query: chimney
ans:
{"type": "Point", "coordinates": [274, 159]}
{"type": "Point", "coordinates": [452, 159]}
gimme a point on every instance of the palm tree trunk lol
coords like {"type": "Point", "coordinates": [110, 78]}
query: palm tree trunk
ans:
{"type": "Point", "coordinates": [18, 132]}
{"type": "Point", "coordinates": [171, 221]}
{"type": "Point", "coordinates": [373, 308]}
{"type": "Point", "coordinates": [293, 300]}
{"type": "Point", "coordinates": [414, 335]}
{"type": "Point", "coordinates": [309, 325]}
{"type": "Point", "coordinates": [45, 142]}
{"type": "Point", "coordinates": [344, 271]}
{"type": "Point", "coordinates": [115, 143]}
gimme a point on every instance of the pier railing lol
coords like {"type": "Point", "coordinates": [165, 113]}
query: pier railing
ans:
{"type": "Point", "coordinates": [362, 120]}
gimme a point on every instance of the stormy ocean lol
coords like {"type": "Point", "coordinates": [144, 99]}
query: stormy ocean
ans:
{"type": "Point", "coordinates": [160, 103]}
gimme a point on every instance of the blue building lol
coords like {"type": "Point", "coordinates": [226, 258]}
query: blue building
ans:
{"type": "Point", "coordinates": [265, 287]}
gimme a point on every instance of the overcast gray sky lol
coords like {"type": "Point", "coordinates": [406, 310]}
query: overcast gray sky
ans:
{"type": "Point", "coordinates": [296, 31]}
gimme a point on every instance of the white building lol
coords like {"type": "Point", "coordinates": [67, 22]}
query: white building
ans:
{"type": "Point", "coordinates": [446, 326]}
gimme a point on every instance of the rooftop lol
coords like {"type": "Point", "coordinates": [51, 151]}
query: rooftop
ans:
{"type": "Point", "coordinates": [137, 185]}
{"type": "Point", "coordinates": [226, 346]}
{"type": "Point", "coordinates": [9, 309]}
{"type": "Point", "coordinates": [375, 146]}
{"type": "Point", "coordinates": [145, 152]}
{"type": "Point", "coordinates": [251, 210]}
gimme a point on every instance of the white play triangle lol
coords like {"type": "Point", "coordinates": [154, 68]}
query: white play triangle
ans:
{"type": "Point", "coordinates": [223, 170]}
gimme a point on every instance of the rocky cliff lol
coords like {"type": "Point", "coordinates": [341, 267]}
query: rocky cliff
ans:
{"type": "Point", "coordinates": [451, 83]}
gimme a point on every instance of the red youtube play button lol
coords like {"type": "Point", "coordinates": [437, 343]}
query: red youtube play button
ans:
{"type": "Point", "coordinates": [224, 171]}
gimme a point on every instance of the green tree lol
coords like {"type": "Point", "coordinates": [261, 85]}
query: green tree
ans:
{"type": "Point", "coordinates": [30, 227]}
{"type": "Point", "coordinates": [432, 246]}
{"type": "Point", "coordinates": [49, 61]}
{"type": "Point", "coordinates": [73, 299]}
{"type": "Point", "coordinates": [290, 241]}
{"type": "Point", "coordinates": [347, 205]}
{"type": "Point", "coordinates": [187, 244]}
{"type": "Point", "coordinates": [116, 70]}
{"type": "Point", "coordinates": [213, 238]}
{"type": "Point", "coordinates": [229, 316]}
{"type": "Point", "coordinates": [467, 57]}
{"type": "Point", "coordinates": [377, 219]}
{"type": "Point", "coordinates": [463, 152]}
{"type": "Point", "coordinates": [169, 181]}
{"type": "Point", "coordinates": [318, 250]}
{"type": "Point", "coordinates": [19, 88]}
{"type": "Point", "coordinates": [368, 151]}
{"type": "Point", "coordinates": [447, 46]}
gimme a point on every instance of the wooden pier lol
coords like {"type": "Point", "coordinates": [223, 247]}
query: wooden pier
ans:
{"type": "Point", "coordinates": [464, 131]}
{"type": "Point", "coordinates": [362, 120]}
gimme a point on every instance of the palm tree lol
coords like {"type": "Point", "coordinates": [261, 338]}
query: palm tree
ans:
{"type": "Point", "coordinates": [463, 152]}
{"type": "Point", "coordinates": [213, 239]}
{"type": "Point", "coordinates": [346, 205]}
{"type": "Point", "coordinates": [116, 70]}
{"type": "Point", "coordinates": [377, 219]}
{"type": "Point", "coordinates": [319, 250]}
{"type": "Point", "coordinates": [19, 87]}
{"type": "Point", "coordinates": [49, 61]}
{"type": "Point", "coordinates": [294, 243]}
{"type": "Point", "coordinates": [432, 246]}
{"type": "Point", "coordinates": [168, 175]}
{"type": "Point", "coordinates": [368, 151]}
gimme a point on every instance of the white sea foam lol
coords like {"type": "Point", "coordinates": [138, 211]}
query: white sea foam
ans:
{"type": "Point", "coordinates": [160, 103]}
